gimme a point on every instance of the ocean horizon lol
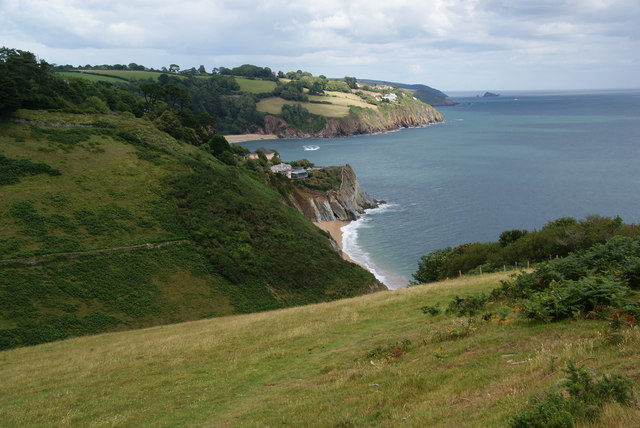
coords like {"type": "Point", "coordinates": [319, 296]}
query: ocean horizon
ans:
{"type": "Point", "coordinates": [515, 161]}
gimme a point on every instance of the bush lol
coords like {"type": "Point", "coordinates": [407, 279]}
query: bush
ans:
{"type": "Point", "coordinates": [556, 238]}
{"type": "Point", "coordinates": [582, 399]}
{"type": "Point", "coordinates": [575, 298]}
{"type": "Point", "coordinates": [469, 306]}
{"type": "Point", "coordinates": [12, 169]}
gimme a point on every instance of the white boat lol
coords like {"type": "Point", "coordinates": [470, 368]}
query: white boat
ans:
{"type": "Point", "coordinates": [311, 147]}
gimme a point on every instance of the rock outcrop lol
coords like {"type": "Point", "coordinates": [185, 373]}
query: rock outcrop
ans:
{"type": "Point", "coordinates": [346, 203]}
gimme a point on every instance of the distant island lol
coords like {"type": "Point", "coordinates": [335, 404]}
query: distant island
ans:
{"type": "Point", "coordinates": [489, 95]}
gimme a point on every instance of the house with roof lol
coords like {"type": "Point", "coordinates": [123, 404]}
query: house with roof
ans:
{"type": "Point", "coordinates": [282, 168]}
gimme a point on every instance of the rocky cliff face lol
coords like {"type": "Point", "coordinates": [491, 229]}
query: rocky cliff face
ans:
{"type": "Point", "coordinates": [405, 114]}
{"type": "Point", "coordinates": [346, 203]}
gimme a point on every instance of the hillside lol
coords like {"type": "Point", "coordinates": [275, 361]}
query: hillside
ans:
{"type": "Point", "coordinates": [424, 93]}
{"type": "Point", "coordinates": [108, 223]}
{"type": "Point", "coordinates": [299, 105]}
{"type": "Point", "coordinates": [375, 360]}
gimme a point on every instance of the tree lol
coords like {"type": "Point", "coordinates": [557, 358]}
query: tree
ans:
{"type": "Point", "coordinates": [217, 145]}
{"type": "Point", "coordinates": [163, 79]}
{"type": "Point", "coordinates": [509, 236]}
{"type": "Point", "coordinates": [317, 87]}
{"type": "Point", "coordinates": [174, 68]}
{"type": "Point", "coordinates": [352, 82]}
{"type": "Point", "coordinates": [433, 266]}
{"type": "Point", "coordinates": [202, 70]}
{"type": "Point", "coordinates": [176, 96]}
{"type": "Point", "coordinates": [151, 92]}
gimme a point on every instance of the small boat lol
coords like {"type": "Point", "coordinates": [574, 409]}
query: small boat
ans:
{"type": "Point", "coordinates": [311, 147]}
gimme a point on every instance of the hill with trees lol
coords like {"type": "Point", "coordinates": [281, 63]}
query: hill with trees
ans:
{"type": "Point", "coordinates": [111, 221]}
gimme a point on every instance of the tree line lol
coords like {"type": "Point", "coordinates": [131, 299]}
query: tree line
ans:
{"type": "Point", "coordinates": [557, 238]}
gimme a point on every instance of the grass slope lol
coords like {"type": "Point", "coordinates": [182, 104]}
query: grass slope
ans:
{"type": "Point", "coordinates": [123, 183]}
{"type": "Point", "coordinates": [255, 86]}
{"type": "Point", "coordinates": [323, 365]}
{"type": "Point", "coordinates": [274, 105]}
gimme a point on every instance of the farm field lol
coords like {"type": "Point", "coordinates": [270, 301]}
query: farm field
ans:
{"type": "Point", "coordinates": [343, 99]}
{"type": "Point", "coordinates": [91, 77]}
{"type": "Point", "coordinates": [274, 106]}
{"type": "Point", "coordinates": [255, 86]}
{"type": "Point", "coordinates": [127, 74]}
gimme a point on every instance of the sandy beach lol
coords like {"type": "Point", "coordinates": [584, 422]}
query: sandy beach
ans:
{"type": "Point", "coordinates": [249, 137]}
{"type": "Point", "coordinates": [333, 227]}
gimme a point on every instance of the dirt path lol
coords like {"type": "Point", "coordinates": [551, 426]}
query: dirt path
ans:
{"type": "Point", "coordinates": [73, 255]}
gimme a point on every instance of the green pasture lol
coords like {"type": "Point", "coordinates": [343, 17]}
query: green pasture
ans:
{"type": "Point", "coordinates": [91, 77]}
{"type": "Point", "coordinates": [274, 106]}
{"type": "Point", "coordinates": [255, 86]}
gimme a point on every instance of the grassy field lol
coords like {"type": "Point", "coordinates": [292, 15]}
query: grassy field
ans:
{"type": "Point", "coordinates": [120, 183]}
{"type": "Point", "coordinates": [91, 77]}
{"type": "Point", "coordinates": [127, 74]}
{"type": "Point", "coordinates": [343, 99]}
{"type": "Point", "coordinates": [325, 365]}
{"type": "Point", "coordinates": [254, 86]}
{"type": "Point", "coordinates": [274, 106]}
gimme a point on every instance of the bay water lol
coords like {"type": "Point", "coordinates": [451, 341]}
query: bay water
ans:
{"type": "Point", "coordinates": [515, 161]}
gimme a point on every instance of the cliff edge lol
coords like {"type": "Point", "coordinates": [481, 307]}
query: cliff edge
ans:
{"type": "Point", "coordinates": [405, 112]}
{"type": "Point", "coordinates": [346, 203]}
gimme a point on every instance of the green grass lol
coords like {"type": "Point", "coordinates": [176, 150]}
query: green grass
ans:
{"type": "Point", "coordinates": [255, 86]}
{"type": "Point", "coordinates": [123, 183]}
{"type": "Point", "coordinates": [91, 77]}
{"type": "Point", "coordinates": [274, 106]}
{"type": "Point", "coordinates": [127, 74]}
{"type": "Point", "coordinates": [312, 366]}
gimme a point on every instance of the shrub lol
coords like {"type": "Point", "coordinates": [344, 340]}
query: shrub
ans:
{"type": "Point", "coordinates": [469, 306]}
{"type": "Point", "coordinates": [12, 169]}
{"type": "Point", "coordinates": [575, 298]}
{"type": "Point", "coordinates": [582, 399]}
{"type": "Point", "coordinates": [390, 351]}
{"type": "Point", "coordinates": [431, 310]}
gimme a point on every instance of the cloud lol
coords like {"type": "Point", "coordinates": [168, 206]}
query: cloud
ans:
{"type": "Point", "coordinates": [392, 39]}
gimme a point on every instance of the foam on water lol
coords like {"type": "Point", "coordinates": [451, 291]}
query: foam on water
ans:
{"type": "Point", "coordinates": [354, 250]}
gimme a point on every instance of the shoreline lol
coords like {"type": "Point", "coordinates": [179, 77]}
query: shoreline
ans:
{"type": "Point", "coordinates": [334, 228]}
{"type": "Point", "coordinates": [239, 138]}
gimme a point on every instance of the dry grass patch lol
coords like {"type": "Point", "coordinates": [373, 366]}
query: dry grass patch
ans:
{"type": "Point", "coordinates": [274, 106]}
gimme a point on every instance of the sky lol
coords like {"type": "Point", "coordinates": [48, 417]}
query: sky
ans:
{"type": "Point", "coordinates": [447, 44]}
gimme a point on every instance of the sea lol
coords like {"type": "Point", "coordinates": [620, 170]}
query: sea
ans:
{"type": "Point", "coordinates": [516, 161]}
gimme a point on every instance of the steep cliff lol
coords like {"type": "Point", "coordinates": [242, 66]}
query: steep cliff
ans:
{"type": "Point", "coordinates": [345, 203]}
{"type": "Point", "coordinates": [406, 112]}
